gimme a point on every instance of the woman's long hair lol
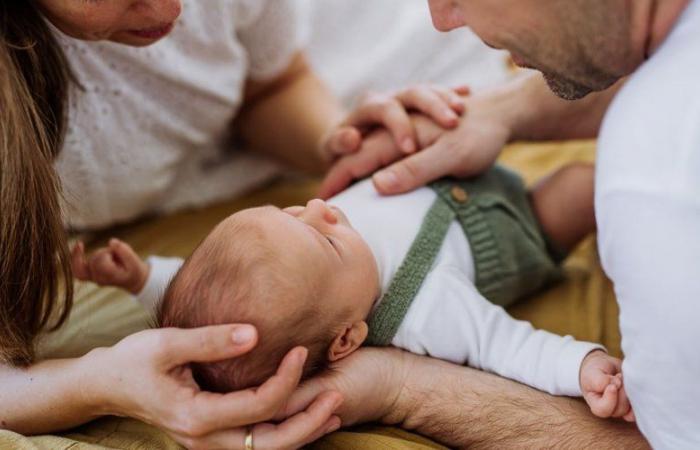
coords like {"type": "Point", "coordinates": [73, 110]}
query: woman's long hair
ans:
{"type": "Point", "coordinates": [36, 287]}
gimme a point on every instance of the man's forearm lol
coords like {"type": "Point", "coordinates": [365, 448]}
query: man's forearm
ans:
{"type": "Point", "coordinates": [462, 407]}
{"type": "Point", "coordinates": [537, 114]}
{"type": "Point", "coordinates": [287, 118]}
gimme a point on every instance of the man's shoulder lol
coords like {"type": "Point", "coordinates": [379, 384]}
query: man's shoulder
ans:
{"type": "Point", "coordinates": [651, 128]}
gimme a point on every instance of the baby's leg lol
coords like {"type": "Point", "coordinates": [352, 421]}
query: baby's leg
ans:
{"type": "Point", "coordinates": [563, 204]}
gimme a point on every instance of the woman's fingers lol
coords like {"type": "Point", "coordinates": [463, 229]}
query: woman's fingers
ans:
{"type": "Point", "coordinates": [385, 110]}
{"type": "Point", "coordinates": [343, 141]}
{"type": "Point", "coordinates": [218, 411]}
{"type": "Point", "coordinates": [205, 344]}
{"type": "Point", "coordinates": [435, 104]}
{"type": "Point", "coordinates": [302, 428]}
{"type": "Point", "coordinates": [297, 431]}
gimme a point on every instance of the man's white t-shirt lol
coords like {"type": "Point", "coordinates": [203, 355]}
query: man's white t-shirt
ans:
{"type": "Point", "coordinates": [648, 213]}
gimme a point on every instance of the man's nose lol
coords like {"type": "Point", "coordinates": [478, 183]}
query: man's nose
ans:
{"type": "Point", "coordinates": [446, 14]}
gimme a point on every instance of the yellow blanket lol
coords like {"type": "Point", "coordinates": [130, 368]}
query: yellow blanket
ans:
{"type": "Point", "coordinates": [583, 305]}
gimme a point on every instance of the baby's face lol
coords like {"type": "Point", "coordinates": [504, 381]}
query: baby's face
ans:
{"type": "Point", "coordinates": [318, 244]}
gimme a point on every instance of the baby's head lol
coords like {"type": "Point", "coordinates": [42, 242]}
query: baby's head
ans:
{"type": "Point", "coordinates": [303, 276]}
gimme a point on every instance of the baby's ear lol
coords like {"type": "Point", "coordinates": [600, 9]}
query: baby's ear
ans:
{"type": "Point", "coordinates": [347, 341]}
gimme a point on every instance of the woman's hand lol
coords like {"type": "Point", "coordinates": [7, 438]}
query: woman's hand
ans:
{"type": "Point", "coordinates": [442, 105]}
{"type": "Point", "coordinates": [469, 149]}
{"type": "Point", "coordinates": [146, 376]}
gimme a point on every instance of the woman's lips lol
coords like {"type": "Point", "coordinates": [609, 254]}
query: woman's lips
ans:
{"type": "Point", "coordinates": [153, 33]}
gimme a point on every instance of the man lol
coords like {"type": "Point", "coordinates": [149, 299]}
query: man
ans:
{"type": "Point", "coordinates": [647, 207]}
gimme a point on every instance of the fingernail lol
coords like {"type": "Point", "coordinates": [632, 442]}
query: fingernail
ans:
{"type": "Point", "coordinates": [243, 335]}
{"type": "Point", "coordinates": [408, 145]}
{"type": "Point", "coordinates": [449, 114]}
{"type": "Point", "coordinates": [333, 427]}
{"type": "Point", "coordinates": [386, 179]}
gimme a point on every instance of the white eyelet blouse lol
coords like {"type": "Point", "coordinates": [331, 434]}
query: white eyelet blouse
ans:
{"type": "Point", "coordinates": [149, 128]}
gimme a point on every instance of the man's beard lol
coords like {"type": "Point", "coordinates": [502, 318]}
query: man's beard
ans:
{"type": "Point", "coordinates": [565, 88]}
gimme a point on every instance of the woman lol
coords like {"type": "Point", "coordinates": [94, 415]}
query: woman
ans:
{"type": "Point", "coordinates": [129, 131]}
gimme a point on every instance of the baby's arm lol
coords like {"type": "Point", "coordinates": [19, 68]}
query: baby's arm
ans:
{"type": "Point", "coordinates": [118, 265]}
{"type": "Point", "coordinates": [452, 321]}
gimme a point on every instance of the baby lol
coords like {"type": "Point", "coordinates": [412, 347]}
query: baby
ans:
{"type": "Point", "coordinates": [428, 271]}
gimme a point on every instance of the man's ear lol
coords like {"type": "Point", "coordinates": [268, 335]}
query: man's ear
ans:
{"type": "Point", "coordinates": [347, 341]}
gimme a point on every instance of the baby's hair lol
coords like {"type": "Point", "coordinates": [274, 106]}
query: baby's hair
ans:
{"type": "Point", "coordinates": [242, 280]}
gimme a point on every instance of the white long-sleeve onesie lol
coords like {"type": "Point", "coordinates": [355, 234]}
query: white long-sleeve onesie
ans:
{"type": "Point", "coordinates": [449, 318]}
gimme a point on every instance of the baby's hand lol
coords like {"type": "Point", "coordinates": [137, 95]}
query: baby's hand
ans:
{"type": "Point", "coordinates": [116, 265]}
{"type": "Point", "coordinates": [391, 111]}
{"type": "Point", "coordinates": [602, 386]}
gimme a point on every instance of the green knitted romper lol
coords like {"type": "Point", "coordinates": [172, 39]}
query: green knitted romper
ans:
{"type": "Point", "coordinates": [512, 257]}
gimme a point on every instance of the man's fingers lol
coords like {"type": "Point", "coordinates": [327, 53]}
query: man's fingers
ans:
{"type": "Point", "coordinates": [251, 405]}
{"type": "Point", "coordinates": [204, 344]}
{"type": "Point", "coordinates": [302, 428]}
{"type": "Point", "coordinates": [79, 262]}
{"type": "Point", "coordinates": [416, 170]}
{"type": "Point", "coordinates": [630, 417]}
{"type": "Point", "coordinates": [377, 151]}
{"type": "Point", "coordinates": [433, 104]}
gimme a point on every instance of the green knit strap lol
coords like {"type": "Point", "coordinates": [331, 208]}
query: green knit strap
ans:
{"type": "Point", "coordinates": [387, 317]}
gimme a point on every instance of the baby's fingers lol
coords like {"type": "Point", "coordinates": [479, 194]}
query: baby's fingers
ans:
{"type": "Point", "coordinates": [79, 263]}
{"type": "Point", "coordinates": [124, 254]}
{"type": "Point", "coordinates": [604, 405]}
{"type": "Point", "coordinates": [623, 404]}
{"type": "Point", "coordinates": [103, 267]}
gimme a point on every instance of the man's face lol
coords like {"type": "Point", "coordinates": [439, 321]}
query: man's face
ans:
{"type": "Point", "coordinates": [580, 46]}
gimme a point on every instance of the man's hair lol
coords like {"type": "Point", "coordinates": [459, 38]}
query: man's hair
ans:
{"type": "Point", "coordinates": [243, 280]}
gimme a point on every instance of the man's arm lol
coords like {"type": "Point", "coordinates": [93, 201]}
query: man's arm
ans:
{"type": "Point", "coordinates": [459, 406]}
{"type": "Point", "coordinates": [462, 407]}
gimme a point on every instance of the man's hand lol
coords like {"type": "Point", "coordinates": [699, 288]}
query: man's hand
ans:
{"type": "Point", "coordinates": [391, 112]}
{"type": "Point", "coordinates": [370, 380]}
{"type": "Point", "coordinates": [469, 149]}
{"type": "Point", "coordinates": [116, 265]}
{"type": "Point", "coordinates": [602, 386]}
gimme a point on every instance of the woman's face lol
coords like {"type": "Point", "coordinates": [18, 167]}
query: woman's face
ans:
{"type": "Point", "coordinates": [130, 22]}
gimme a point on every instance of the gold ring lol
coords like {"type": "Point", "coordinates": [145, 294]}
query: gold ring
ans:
{"type": "Point", "coordinates": [249, 439]}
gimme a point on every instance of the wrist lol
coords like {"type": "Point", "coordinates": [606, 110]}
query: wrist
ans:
{"type": "Point", "coordinates": [141, 278]}
{"type": "Point", "coordinates": [407, 386]}
{"type": "Point", "coordinates": [92, 384]}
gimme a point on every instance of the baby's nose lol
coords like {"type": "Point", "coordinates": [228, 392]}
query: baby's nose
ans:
{"type": "Point", "coordinates": [317, 209]}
